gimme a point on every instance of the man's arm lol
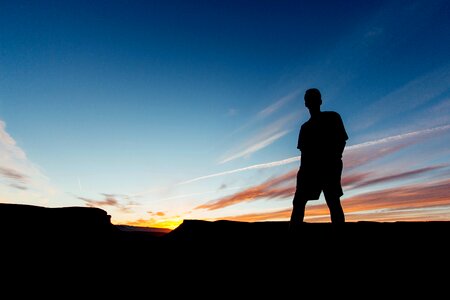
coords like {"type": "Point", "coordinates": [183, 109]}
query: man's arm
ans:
{"type": "Point", "coordinates": [341, 134]}
{"type": "Point", "coordinates": [300, 140]}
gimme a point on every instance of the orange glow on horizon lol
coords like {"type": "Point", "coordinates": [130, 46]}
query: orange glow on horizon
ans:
{"type": "Point", "coordinates": [166, 224]}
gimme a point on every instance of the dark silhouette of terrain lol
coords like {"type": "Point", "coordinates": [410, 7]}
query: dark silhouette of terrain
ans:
{"type": "Point", "coordinates": [29, 222]}
{"type": "Point", "coordinates": [62, 234]}
{"type": "Point", "coordinates": [80, 245]}
{"type": "Point", "coordinates": [53, 225]}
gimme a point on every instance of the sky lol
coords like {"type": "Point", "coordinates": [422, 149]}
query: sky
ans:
{"type": "Point", "coordinates": [162, 111]}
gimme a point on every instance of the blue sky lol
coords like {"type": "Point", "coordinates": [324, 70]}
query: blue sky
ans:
{"type": "Point", "coordinates": [158, 111]}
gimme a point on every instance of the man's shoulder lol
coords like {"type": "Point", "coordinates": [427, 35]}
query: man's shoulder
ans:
{"type": "Point", "coordinates": [306, 124]}
{"type": "Point", "coordinates": [331, 116]}
{"type": "Point", "coordinates": [330, 113]}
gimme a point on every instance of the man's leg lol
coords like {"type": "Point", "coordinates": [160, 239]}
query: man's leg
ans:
{"type": "Point", "coordinates": [298, 213]}
{"type": "Point", "coordinates": [333, 192]}
{"type": "Point", "coordinates": [336, 211]}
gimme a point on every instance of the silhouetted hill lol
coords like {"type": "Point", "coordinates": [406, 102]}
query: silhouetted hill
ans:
{"type": "Point", "coordinates": [223, 231]}
{"type": "Point", "coordinates": [90, 228]}
{"type": "Point", "coordinates": [354, 237]}
{"type": "Point", "coordinates": [81, 244]}
{"type": "Point", "coordinates": [29, 223]}
{"type": "Point", "coordinates": [394, 233]}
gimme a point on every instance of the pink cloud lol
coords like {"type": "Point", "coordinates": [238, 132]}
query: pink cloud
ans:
{"type": "Point", "coordinates": [415, 202]}
{"type": "Point", "coordinates": [268, 189]}
{"type": "Point", "coordinates": [397, 176]}
{"type": "Point", "coordinates": [110, 200]}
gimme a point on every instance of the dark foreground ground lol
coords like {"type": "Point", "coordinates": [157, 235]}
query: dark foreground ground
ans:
{"type": "Point", "coordinates": [81, 242]}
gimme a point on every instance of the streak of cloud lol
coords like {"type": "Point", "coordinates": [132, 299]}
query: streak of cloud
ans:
{"type": "Point", "coordinates": [13, 174]}
{"type": "Point", "coordinates": [421, 195]}
{"type": "Point", "coordinates": [268, 189]}
{"type": "Point", "coordinates": [9, 145]}
{"type": "Point", "coordinates": [256, 147]}
{"type": "Point", "coordinates": [253, 167]}
{"type": "Point", "coordinates": [110, 200]}
{"type": "Point", "coordinates": [399, 200]}
{"type": "Point", "coordinates": [264, 138]}
{"type": "Point", "coordinates": [397, 176]}
{"type": "Point", "coordinates": [19, 187]}
{"type": "Point", "coordinates": [411, 95]}
{"type": "Point", "coordinates": [19, 173]}
{"type": "Point", "coordinates": [158, 213]}
{"type": "Point", "coordinates": [354, 155]}
{"type": "Point", "coordinates": [352, 179]}
{"type": "Point", "coordinates": [269, 110]}
{"type": "Point", "coordinates": [415, 202]}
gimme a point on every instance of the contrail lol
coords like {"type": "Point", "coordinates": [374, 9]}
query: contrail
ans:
{"type": "Point", "coordinates": [259, 166]}
{"type": "Point", "coordinates": [297, 158]}
{"type": "Point", "coordinates": [399, 137]}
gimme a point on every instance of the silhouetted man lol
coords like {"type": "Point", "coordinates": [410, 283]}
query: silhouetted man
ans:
{"type": "Point", "coordinates": [321, 141]}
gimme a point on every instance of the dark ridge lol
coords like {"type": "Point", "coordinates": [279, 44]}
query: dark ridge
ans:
{"type": "Point", "coordinates": [54, 225]}
{"type": "Point", "coordinates": [79, 244]}
{"type": "Point", "coordinates": [363, 231]}
{"type": "Point", "coordinates": [87, 230]}
{"type": "Point", "coordinates": [225, 231]}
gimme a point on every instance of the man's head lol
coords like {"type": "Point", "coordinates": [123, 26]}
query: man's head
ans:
{"type": "Point", "coordinates": [313, 99]}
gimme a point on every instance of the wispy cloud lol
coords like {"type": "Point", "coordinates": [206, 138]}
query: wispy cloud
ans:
{"type": "Point", "coordinates": [354, 155]}
{"type": "Point", "coordinates": [269, 189]}
{"type": "Point", "coordinates": [269, 110]}
{"type": "Point", "coordinates": [409, 96]}
{"type": "Point", "coordinates": [252, 167]}
{"type": "Point", "coordinates": [264, 138]}
{"type": "Point", "coordinates": [9, 144]}
{"type": "Point", "coordinates": [157, 213]}
{"type": "Point", "coordinates": [270, 133]}
{"type": "Point", "coordinates": [440, 113]}
{"type": "Point", "coordinates": [396, 176]}
{"type": "Point", "coordinates": [415, 202]}
{"type": "Point", "coordinates": [419, 195]}
{"type": "Point", "coordinates": [13, 175]}
{"type": "Point", "coordinates": [111, 200]}
{"type": "Point", "coordinates": [401, 137]}
{"type": "Point", "coordinates": [443, 105]}
{"type": "Point", "coordinates": [20, 174]}
{"type": "Point", "coordinates": [255, 147]}
{"type": "Point", "coordinates": [263, 114]}
{"type": "Point", "coordinates": [18, 186]}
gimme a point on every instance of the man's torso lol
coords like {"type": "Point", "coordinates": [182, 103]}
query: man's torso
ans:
{"type": "Point", "coordinates": [321, 138]}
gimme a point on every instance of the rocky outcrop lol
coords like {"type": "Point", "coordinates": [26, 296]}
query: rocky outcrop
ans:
{"type": "Point", "coordinates": [28, 222]}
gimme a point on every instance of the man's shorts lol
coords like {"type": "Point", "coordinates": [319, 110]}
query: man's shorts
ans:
{"type": "Point", "coordinates": [313, 178]}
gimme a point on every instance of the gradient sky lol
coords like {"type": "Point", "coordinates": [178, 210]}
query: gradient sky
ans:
{"type": "Point", "coordinates": [159, 111]}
